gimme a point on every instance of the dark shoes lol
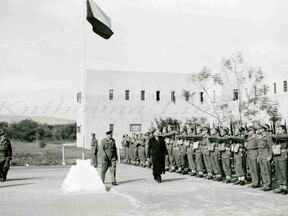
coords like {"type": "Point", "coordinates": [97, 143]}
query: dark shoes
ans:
{"type": "Point", "coordinates": [254, 186]}
{"type": "Point", "coordinates": [280, 190]}
{"type": "Point", "coordinates": [227, 181]}
{"type": "Point", "coordinates": [265, 189]}
{"type": "Point", "coordinates": [114, 183]}
{"type": "Point", "coordinates": [284, 192]}
{"type": "Point", "coordinates": [242, 183]}
{"type": "Point", "coordinates": [237, 182]}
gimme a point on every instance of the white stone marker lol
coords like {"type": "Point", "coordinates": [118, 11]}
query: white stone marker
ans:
{"type": "Point", "coordinates": [83, 178]}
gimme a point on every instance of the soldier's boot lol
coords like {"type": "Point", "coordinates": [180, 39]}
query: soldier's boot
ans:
{"type": "Point", "coordinates": [166, 168]}
{"type": "Point", "coordinates": [185, 171]}
{"type": "Point", "coordinates": [284, 190]}
{"type": "Point", "coordinates": [209, 176]}
{"type": "Point", "coordinates": [238, 181]}
{"type": "Point", "coordinates": [278, 190]}
{"type": "Point", "coordinates": [179, 170]}
{"type": "Point", "coordinates": [228, 179]}
{"type": "Point", "coordinates": [200, 174]}
{"type": "Point", "coordinates": [193, 173]}
{"type": "Point", "coordinates": [172, 169]}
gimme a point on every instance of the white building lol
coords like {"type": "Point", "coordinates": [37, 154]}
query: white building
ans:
{"type": "Point", "coordinates": [129, 102]}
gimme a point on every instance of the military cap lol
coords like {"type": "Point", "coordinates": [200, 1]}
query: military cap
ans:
{"type": "Point", "coordinates": [265, 126]}
{"type": "Point", "coordinates": [109, 132]}
{"type": "Point", "coordinates": [251, 128]}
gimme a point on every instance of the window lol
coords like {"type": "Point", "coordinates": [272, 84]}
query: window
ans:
{"type": "Point", "coordinates": [274, 85]}
{"type": "Point", "coordinates": [111, 127]}
{"type": "Point", "coordinates": [285, 85]}
{"type": "Point", "coordinates": [111, 94]}
{"type": "Point", "coordinates": [214, 95]}
{"type": "Point", "coordinates": [142, 95]}
{"type": "Point", "coordinates": [126, 94]}
{"type": "Point", "coordinates": [201, 97]}
{"type": "Point", "coordinates": [173, 98]}
{"type": "Point", "coordinates": [79, 97]}
{"type": "Point", "coordinates": [79, 129]}
{"type": "Point", "coordinates": [235, 94]}
{"type": "Point", "coordinates": [157, 95]}
{"type": "Point", "coordinates": [135, 128]}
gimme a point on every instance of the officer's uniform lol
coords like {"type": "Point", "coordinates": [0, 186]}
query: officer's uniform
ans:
{"type": "Point", "coordinates": [109, 157]}
{"type": "Point", "coordinates": [5, 156]}
{"type": "Point", "coordinates": [94, 151]}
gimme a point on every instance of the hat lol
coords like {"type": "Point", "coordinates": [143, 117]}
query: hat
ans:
{"type": "Point", "coordinates": [265, 126]}
{"type": "Point", "coordinates": [109, 132]}
{"type": "Point", "coordinates": [251, 128]}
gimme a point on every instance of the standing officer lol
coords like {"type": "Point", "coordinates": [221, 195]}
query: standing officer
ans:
{"type": "Point", "coordinates": [94, 150]}
{"type": "Point", "coordinates": [5, 156]}
{"type": "Point", "coordinates": [280, 151]}
{"type": "Point", "coordinates": [109, 157]}
{"type": "Point", "coordinates": [264, 143]}
{"type": "Point", "coordinates": [251, 146]}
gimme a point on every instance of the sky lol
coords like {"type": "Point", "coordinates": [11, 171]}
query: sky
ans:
{"type": "Point", "coordinates": [43, 43]}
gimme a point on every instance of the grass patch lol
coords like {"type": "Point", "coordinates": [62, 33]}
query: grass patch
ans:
{"type": "Point", "coordinates": [32, 154]}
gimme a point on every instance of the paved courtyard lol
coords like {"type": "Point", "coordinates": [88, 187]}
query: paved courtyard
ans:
{"type": "Point", "coordinates": [36, 191]}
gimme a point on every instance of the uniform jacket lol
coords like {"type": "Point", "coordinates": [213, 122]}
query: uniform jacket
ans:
{"type": "Point", "coordinates": [5, 150]}
{"type": "Point", "coordinates": [108, 148]}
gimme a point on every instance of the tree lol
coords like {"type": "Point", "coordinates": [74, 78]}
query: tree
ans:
{"type": "Point", "coordinates": [241, 89]}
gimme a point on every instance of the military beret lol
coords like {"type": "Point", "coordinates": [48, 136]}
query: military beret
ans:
{"type": "Point", "coordinates": [265, 126]}
{"type": "Point", "coordinates": [109, 132]}
{"type": "Point", "coordinates": [251, 128]}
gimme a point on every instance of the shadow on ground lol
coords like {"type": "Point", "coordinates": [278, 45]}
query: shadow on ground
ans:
{"type": "Point", "coordinates": [173, 179]}
{"type": "Point", "coordinates": [15, 185]}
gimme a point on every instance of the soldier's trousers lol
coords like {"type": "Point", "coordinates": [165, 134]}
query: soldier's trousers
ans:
{"type": "Point", "coordinates": [239, 165]}
{"type": "Point", "coordinates": [281, 169]}
{"type": "Point", "coordinates": [111, 164]}
{"type": "Point", "coordinates": [191, 161]}
{"type": "Point", "coordinates": [135, 153]}
{"type": "Point", "coordinates": [176, 154]}
{"type": "Point", "coordinates": [94, 159]}
{"type": "Point", "coordinates": [253, 167]}
{"type": "Point", "coordinates": [183, 160]}
{"type": "Point", "coordinates": [215, 163]}
{"type": "Point", "coordinates": [131, 153]}
{"type": "Point", "coordinates": [142, 154]}
{"type": "Point", "coordinates": [127, 156]}
{"type": "Point", "coordinates": [226, 164]}
{"type": "Point", "coordinates": [265, 171]}
{"type": "Point", "coordinates": [207, 161]}
{"type": "Point", "coordinates": [171, 156]}
{"type": "Point", "coordinates": [199, 161]}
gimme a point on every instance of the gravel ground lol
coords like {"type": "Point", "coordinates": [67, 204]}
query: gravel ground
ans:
{"type": "Point", "coordinates": [36, 191]}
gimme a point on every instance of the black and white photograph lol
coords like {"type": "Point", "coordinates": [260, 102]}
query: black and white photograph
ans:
{"type": "Point", "coordinates": [147, 107]}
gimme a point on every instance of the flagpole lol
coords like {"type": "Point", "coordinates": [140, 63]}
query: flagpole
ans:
{"type": "Point", "coordinates": [83, 79]}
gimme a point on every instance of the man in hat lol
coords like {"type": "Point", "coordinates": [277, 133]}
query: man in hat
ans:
{"type": "Point", "coordinates": [94, 149]}
{"type": "Point", "coordinates": [5, 155]}
{"type": "Point", "coordinates": [252, 154]}
{"type": "Point", "coordinates": [264, 143]}
{"type": "Point", "coordinates": [109, 157]}
{"type": "Point", "coordinates": [280, 151]}
{"type": "Point", "coordinates": [157, 151]}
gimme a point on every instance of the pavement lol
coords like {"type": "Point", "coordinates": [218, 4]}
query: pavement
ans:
{"type": "Point", "coordinates": [37, 191]}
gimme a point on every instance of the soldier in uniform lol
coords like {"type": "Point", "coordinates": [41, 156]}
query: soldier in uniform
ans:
{"type": "Point", "coordinates": [215, 153]}
{"type": "Point", "coordinates": [169, 141]}
{"type": "Point", "coordinates": [198, 152]}
{"type": "Point", "coordinates": [109, 157]}
{"type": "Point", "coordinates": [94, 149]}
{"type": "Point", "coordinates": [226, 153]}
{"type": "Point", "coordinates": [141, 150]}
{"type": "Point", "coordinates": [239, 155]}
{"type": "Point", "coordinates": [280, 151]}
{"type": "Point", "coordinates": [131, 148]}
{"type": "Point", "coordinates": [190, 151]}
{"type": "Point", "coordinates": [264, 143]}
{"type": "Point", "coordinates": [252, 154]}
{"type": "Point", "coordinates": [206, 153]}
{"type": "Point", "coordinates": [5, 156]}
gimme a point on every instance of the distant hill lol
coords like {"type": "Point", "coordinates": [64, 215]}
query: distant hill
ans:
{"type": "Point", "coordinates": [40, 119]}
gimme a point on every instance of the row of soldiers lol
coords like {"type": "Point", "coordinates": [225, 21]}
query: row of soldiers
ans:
{"type": "Point", "coordinates": [212, 153]}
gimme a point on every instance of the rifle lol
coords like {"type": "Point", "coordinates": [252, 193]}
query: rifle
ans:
{"type": "Point", "coordinates": [231, 127]}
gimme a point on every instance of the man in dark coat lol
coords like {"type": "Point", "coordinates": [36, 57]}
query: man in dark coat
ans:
{"type": "Point", "coordinates": [157, 150]}
{"type": "Point", "coordinates": [5, 156]}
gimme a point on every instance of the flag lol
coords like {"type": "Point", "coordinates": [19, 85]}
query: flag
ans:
{"type": "Point", "coordinates": [100, 22]}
